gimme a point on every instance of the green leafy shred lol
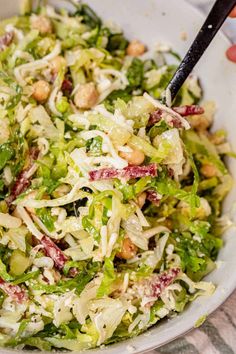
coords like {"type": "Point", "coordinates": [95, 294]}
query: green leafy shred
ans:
{"type": "Point", "coordinates": [91, 249]}
{"type": "Point", "coordinates": [135, 73]}
{"type": "Point", "coordinates": [108, 278]}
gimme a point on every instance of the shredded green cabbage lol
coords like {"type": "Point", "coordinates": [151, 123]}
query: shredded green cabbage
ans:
{"type": "Point", "coordinates": [118, 198]}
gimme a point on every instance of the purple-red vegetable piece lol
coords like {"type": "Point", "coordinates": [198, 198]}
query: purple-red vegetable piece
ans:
{"type": "Point", "coordinates": [153, 196]}
{"type": "Point", "coordinates": [154, 117]}
{"type": "Point", "coordinates": [23, 180]}
{"type": "Point", "coordinates": [160, 282]}
{"type": "Point", "coordinates": [188, 110]}
{"type": "Point", "coordinates": [128, 172]}
{"type": "Point", "coordinates": [184, 111]}
{"type": "Point", "coordinates": [67, 86]}
{"type": "Point", "coordinates": [153, 286]}
{"type": "Point", "coordinates": [5, 40]}
{"type": "Point", "coordinates": [54, 252]}
{"type": "Point", "coordinates": [13, 291]}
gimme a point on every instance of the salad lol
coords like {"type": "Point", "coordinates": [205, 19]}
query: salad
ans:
{"type": "Point", "coordinates": [110, 201]}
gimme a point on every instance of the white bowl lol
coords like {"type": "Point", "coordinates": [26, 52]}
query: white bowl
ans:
{"type": "Point", "coordinates": [153, 21]}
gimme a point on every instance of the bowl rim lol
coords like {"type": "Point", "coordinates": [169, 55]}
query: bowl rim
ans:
{"type": "Point", "coordinates": [114, 348]}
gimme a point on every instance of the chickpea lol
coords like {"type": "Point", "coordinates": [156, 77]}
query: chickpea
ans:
{"type": "Point", "coordinates": [86, 96]}
{"type": "Point", "coordinates": [41, 90]}
{"type": "Point", "coordinates": [128, 249]}
{"type": "Point", "coordinates": [208, 170]}
{"type": "Point", "coordinates": [141, 199]}
{"type": "Point", "coordinates": [136, 157]}
{"type": "Point", "coordinates": [199, 123]}
{"type": "Point", "coordinates": [57, 64]}
{"type": "Point", "coordinates": [135, 48]}
{"type": "Point", "coordinates": [42, 24]}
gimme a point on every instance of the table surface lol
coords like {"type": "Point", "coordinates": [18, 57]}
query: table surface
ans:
{"type": "Point", "coordinates": [218, 334]}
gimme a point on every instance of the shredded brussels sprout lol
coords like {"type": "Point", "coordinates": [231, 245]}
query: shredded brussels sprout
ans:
{"type": "Point", "coordinates": [110, 202]}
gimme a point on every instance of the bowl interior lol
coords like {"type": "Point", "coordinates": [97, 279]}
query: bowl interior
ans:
{"type": "Point", "coordinates": [154, 21]}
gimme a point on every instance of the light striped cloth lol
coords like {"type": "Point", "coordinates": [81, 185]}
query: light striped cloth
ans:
{"type": "Point", "coordinates": [218, 334]}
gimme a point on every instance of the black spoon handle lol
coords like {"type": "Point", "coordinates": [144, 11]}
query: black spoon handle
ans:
{"type": "Point", "coordinates": [214, 21]}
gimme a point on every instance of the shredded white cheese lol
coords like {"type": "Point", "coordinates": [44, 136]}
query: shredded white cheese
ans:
{"type": "Point", "coordinates": [10, 222]}
{"type": "Point", "coordinates": [28, 222]}
{"type": "Point", "coordinates": [21, 70]}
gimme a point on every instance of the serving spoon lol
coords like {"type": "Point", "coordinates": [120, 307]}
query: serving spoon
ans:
{"type": "Point", "coordinates": [211, 26]}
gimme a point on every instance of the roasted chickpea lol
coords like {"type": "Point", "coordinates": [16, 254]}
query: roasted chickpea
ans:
{"type": "Point", "coordinates": [141, 199]}
{"type": "Point", "coordinates": [135, 48]}
{"type": "Point", "coordinates": [208, 170]}
{"type": "Point", "coordinates": [41, 90]}
{"type": "Point", "coordinates": [41, 23]}
{"type": "Point", "coordinates": [128, 249]}
{"type": "Point", "coordinates": [86, 96]}
{"type": "Point", "coordinates": [199, 123]}
{"type": "Point", "coordinates": [57, 64]}
{"type": "Point", "coordinates": [135, 157]}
